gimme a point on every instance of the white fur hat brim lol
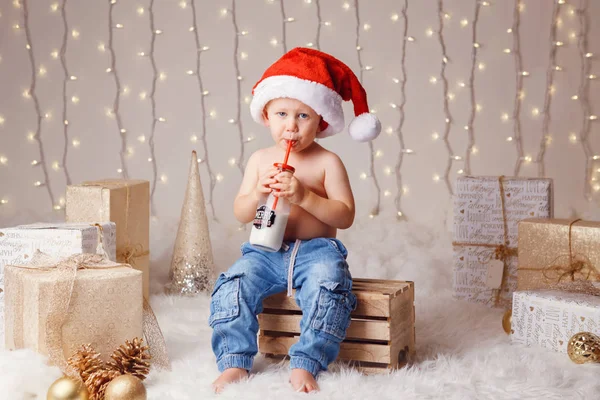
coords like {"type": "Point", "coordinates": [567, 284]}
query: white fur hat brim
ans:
{"type": "Point", "coordinates": [324, 101]}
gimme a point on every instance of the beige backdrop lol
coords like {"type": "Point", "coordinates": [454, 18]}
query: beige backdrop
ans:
{"type": "Point", "coordinates": [121, 65]}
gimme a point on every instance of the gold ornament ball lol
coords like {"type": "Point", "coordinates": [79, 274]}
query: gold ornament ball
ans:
{"type": "Point", "coordinates": [125, 387]}
{"type": "Point", "coordinates": [67, 389]}
{"type": "Point", "coordinates": [507, 321]}
{"type": "Point", "coordinates": [584, 347]}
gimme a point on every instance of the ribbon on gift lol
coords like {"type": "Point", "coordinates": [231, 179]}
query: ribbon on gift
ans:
{"type": "Point", "coordinates": [502, 251]}
{"type": "Point", "coordinates": [577, 265]}
{"type": "Point", "coordinates": [66, 271]}
{"type": "Point", "coordinates": [131, 251]}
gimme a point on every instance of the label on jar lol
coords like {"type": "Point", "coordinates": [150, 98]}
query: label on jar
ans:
{"type": "Point", "coordinates": [261, 220]}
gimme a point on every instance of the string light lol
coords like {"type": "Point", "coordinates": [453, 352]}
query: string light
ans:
{"type": "Point", "coordinates": [203, 93]}
{"type": "Point", "coordinates": [583, 95]}
{"type": "Point", "coordinates": [283, 26]}
{"type": "Point", "coordinates": [238, 115]}
{"type": "Point", "coordinates": [375, 209]}
{"type": "Point", "coordinates": [398, 130]}
{"type": "Point", "coordinates": [66, 75]}
{"type": "Point", "coordinates": [155, 76]}
{"type": "Point", "coordinates": [33, 94]}
{"type": "Point", "coordinates": [115, 110]}
{"type": "Point", "coordinates": [448, 115]}
{"type": "Point", "coordinates": [319, 23]}
{"type": "Point", "coordinates": [474, 106]}
{"type": "Point", "coordinates": [549, 85]}
{"type": "Point", "coordinates": [515, 30]}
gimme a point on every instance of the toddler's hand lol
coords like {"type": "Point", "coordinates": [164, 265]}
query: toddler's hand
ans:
{"type": "Point", "coordinates": [289, 187]}
{"type": "Point", "coordinates": [265, 181]}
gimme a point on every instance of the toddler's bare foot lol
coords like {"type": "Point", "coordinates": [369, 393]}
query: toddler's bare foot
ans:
{"type": "Point", "coordinates": [230, 375]}
{"type": "Point", "coordinates": [303, 381]}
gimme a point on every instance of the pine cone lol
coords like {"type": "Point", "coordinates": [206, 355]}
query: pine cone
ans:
{"type": "Point", "coordinates": [130, 358]}
{"type": "Point", "coordinates": [86, 361]}
{"type": "Point", "coordinates": [97, 382]}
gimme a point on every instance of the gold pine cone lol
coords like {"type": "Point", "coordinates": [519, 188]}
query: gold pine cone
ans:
{"type": "Point", "coordinates": [98, 381]}
{"type": "Point", "coordinates": [86, 361]}
{"type": "Point", "coordinates": [131, 358]}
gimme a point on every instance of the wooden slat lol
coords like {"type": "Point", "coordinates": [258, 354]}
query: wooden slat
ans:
{"type": "Point", "coordinates": [376, 353]}
{"type": "Point", "coordinates": [368, 304]}
{"type": "Point", "coordinates": [402, 326]}
{"type": "Point", "coordinates": [359, 329]}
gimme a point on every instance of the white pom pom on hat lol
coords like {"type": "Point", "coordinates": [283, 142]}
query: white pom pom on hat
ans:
{"type": "Point", "coordinates": [322, 82]}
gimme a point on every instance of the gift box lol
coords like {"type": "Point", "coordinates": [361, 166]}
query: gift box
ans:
{"type": "Point", "coordinates": [53, 306]}
{"type": "Point", "coordinates": [549, 318]}
{"type": "Point", "coordinates": [124, 202]}
{"type": "Point", "coordinates": [18, 244]}
{"type": "Point", "coordinates": [554, 251]}
{"type": "Point", "coordinates": [486, 215]}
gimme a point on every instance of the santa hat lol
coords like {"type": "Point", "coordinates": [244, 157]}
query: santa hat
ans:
{"type": "Point", "coordinates": [320, 81]}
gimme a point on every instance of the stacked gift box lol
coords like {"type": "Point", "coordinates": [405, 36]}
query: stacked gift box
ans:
{"type": "Point", "coordinates": [487, 211]}
{"type": "Point", "coordinates": [557, 295]}
{"type": "Point", "coordinates": [83, 281]}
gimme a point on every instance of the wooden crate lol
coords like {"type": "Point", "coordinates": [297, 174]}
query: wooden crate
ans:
{"type": "Point", "coordinates": [381, 335]}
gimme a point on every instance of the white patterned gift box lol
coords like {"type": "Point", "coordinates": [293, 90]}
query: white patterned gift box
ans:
{"type": "Point", "coordinates": [18, 244]}
{"type": "Point", "coordinates": [549, 318]}
{"type": "Point", "coordinates": [481, 225]}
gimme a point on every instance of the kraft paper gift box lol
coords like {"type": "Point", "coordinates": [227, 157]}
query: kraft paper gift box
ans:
{"type": "Point", "coordinates": [549, 318]}
{"type": "Point", "coordinates": [18, 244]}
{"type": "Point", "coordinates": [553, 251]}
{"type": "Point", "coordinates": [486, 215]}
{"type": "Point", "coordinates": [104, 306]}
{"type": "Point", "coordinates": [124, 202]}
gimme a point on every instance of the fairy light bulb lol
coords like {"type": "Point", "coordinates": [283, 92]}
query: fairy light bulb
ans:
{"type": "Point", "coordinates": [140, 10]}
{"type": "Point", "coordinates": [363, 176]}
{"type": "Point", "coordinates": [76, 143]}
{"type": "Point", "coordinates": [435, 136]}
{"type": "Point", "coordinates": [75, 34]}
{"type": "Point", "coordinates": [433, 80]}
{"type": "Point", "coordinates": [346, 6]}
{"type": "Point", "coordinates": [3, 160]}
{"type": "Point", "coordinates": [436, 178]}
{"type": "Point", "coordinates": [367, 27]}
{"type": "Point", "coordinates": [56, 165]}
{"type": "Point", "coordinates": [572, 138]}
{"type": "Point", "coordinates": [232, 161]}
{"type": "Point", "coordinates": [464, 22]}
{"type": "Point", "coordinates": [219, 177]}
{"type": "Point", "coordinates": [141, 139]}
{"type": "Point", "coordinates": [394, 17]}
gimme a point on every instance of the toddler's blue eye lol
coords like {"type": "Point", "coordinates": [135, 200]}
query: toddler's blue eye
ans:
{"type": "Point", "coordinates": [281, 114]}
{"type": "Point", "coordinates": [303, 115]}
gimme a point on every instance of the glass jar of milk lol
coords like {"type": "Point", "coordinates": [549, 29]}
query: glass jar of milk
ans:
{"type": "Point", "coordinates": [271, 219]}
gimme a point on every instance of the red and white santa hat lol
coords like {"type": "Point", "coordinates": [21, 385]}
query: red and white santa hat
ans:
{"type": "Point", "coordinates": [320, 81]}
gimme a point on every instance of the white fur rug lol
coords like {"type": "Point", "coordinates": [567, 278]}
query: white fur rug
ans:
{"type": "Point", "coordinates": [462, 351]}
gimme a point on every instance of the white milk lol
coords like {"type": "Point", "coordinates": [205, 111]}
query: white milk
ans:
{"type": "Point", "coordinates": [269, 238]}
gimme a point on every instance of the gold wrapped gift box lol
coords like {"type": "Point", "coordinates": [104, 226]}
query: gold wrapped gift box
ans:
{"type": "Point", "coordinates": [553, 251]}
{"type": "Point", "coordinates": [124, 202]}
{"type": "Point", "coordinates": [54, 306]}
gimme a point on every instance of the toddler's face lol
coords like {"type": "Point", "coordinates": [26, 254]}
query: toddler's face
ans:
{"type": "Point", "coordinates": [290, 119]}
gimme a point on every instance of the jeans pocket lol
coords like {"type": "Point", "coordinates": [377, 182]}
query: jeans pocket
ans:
{"type": "Point", "coordinates": [332, 313]}
{"type": "Point", "coordinates": [338, 246]}
{"type": "Point", "coordinates": [225, 299]}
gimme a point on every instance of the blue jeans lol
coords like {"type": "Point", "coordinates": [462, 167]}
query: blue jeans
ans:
{"type": "Point", "coordinates": [323, 292]}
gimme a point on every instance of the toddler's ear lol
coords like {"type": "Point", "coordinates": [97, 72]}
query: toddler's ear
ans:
{"type": "Point", "coordinates": [265, 117]}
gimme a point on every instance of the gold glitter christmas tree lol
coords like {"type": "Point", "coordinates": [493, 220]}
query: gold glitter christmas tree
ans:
{"type": "Point", "coordinates": [192, 264]}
